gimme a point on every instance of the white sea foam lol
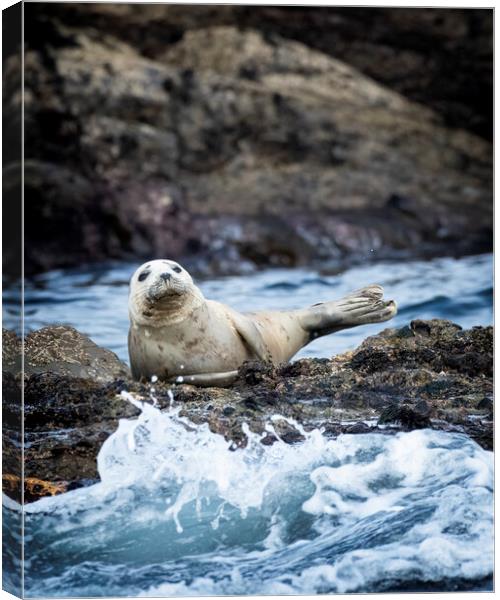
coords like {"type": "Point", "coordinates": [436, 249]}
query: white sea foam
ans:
{"type": "Point", "coordinates": [179, 513]}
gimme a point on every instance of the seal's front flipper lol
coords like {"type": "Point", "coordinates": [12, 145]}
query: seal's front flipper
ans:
{"type": "Point", "coordinates": [359, 308]}
{"type": "Point", "coordinates": [207, 379]}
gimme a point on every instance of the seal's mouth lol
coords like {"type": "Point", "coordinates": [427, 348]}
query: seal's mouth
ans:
{"type": "Point", "coordinates": [161, 292]}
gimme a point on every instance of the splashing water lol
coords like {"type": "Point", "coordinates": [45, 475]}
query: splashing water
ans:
{"type": "Point", "coordinates": [178, 512]}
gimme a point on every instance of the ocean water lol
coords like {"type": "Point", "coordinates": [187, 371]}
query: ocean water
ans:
{"type": "Point", "coordinates": [177, 513]}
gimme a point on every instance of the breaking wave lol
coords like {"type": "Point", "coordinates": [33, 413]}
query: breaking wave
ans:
{"type": "Point", "coordinates": [179, 511]}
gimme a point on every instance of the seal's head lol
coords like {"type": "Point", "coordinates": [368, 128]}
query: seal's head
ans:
{"type": "Point", "coordinates": [161, 290]}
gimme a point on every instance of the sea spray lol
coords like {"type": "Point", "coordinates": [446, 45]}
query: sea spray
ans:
{"type": "Point", "coordinates": [164, 445]}
{"type": "Point", "coordinates": [178, 512]}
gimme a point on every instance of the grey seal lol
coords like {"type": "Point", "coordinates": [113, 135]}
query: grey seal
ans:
{"type": "Point", "coordinates": [178, 335]}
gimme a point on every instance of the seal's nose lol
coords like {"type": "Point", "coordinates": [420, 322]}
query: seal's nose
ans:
{"type": "Point", "coordinates": [165, 276]}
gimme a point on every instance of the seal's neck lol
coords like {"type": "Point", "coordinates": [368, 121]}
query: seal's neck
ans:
{"type": "Point", "coordinates": [168, 310]}
{"type": "Point", "coordinates": [174, 309]}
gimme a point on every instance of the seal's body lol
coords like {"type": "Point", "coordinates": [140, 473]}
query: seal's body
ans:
{"type": "Point", "coordinates": [176, 333]}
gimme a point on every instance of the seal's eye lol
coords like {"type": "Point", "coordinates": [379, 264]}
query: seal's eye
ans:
{"type": "Point", "coordinates": [143, 275]}
{"type": "Point", "coordinates": [177, 269]}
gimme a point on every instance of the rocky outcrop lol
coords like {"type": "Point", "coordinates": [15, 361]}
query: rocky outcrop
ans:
{"type": "Point", "coordinates": [232, 145]}
{"type": "Point", "coordinates": [67, 352]}
{"type": "Point", "coordinates": [63, 350]}
{"type": "Point", "coordinates": [430, 56]}
{"type": "Point", "coordinates": [71, 361]}
{"type": "Point", "coordinates": [428, 374]}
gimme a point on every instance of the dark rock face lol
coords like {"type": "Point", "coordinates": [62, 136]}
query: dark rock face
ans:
{"type": "Point", "coordinates": [431, 56]}
{"type": "Point", "coordinates": [235, 138]}
{"type": "Point", "coordinates": [429, 374]}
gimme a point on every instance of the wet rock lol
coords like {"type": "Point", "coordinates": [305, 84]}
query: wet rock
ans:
{"type": "Point", "coordinates": [62, 350]}
{"type": "Point", "coordinates": [65, 378]}
{"type": "Point", "coordinates": [255, 372]}
{"type": "Point", "coordinates": [405, 414]}
{"type": "Point", "coordinates": [236, 149]}
{"type": "Point", "coordinates": [11, 351]}
{"type": "Point", "coordinates": [398, 380]}
{"type": "Point", "coordinates": [358, 427]}
{"type": "Point", "coordinates": [34, 489]}
{"type": "Point", "coordinates": [437, 344]}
